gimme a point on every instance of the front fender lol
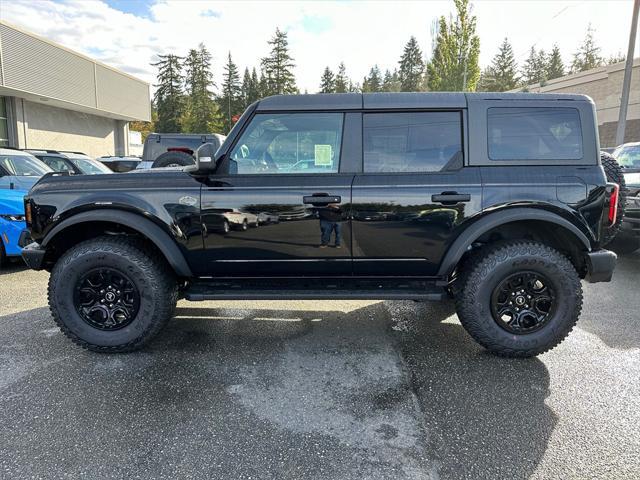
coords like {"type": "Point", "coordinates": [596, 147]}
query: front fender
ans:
{"type": "Point", "coordinates": [159, 237]}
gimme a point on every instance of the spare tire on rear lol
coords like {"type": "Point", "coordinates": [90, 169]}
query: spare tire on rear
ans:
{"type": "Point", "coordinates": [614, 174]}
{"type": "Point", "coordinates": [173, 159]}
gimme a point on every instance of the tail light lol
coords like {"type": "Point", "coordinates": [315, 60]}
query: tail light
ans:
{"type": "Point", "coordinates": [613, 203]}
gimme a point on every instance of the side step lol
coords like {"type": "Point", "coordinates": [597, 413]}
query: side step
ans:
{"type": "Point", "coordinates": [313, 289]}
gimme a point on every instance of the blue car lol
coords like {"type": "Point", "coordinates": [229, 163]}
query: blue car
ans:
{"type": "Point", "coordinates": [12, 224]}
{"type": "Point", "coordinates": [19, 170]}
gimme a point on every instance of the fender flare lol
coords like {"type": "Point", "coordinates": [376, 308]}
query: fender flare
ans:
{"type": "Point", "coordinates": [502, 217]}
{"type": "Point", "coordinates": [159, 237]}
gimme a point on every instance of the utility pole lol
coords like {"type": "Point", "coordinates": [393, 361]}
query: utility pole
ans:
{"type": "Point", "coordinates": [626, 83]}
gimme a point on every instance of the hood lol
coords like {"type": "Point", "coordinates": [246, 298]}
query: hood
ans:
{"type": "Point", "coordinates": [11, 202]}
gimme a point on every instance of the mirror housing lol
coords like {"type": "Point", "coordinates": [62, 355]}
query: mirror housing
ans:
{"type": "Point", "coordinates": [205, 159]}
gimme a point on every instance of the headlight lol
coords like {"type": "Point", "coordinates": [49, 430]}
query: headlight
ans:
{"type": "Point", "coordinates": [13, 218]}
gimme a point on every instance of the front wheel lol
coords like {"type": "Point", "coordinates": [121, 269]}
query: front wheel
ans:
{"type": "Point", "coordinates": [111, 294]}
{"type": "Point", "coordinates": [519, 299]}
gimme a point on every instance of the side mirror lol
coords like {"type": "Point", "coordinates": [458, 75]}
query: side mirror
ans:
{"type": "Point", "coordinates": [205, 159]}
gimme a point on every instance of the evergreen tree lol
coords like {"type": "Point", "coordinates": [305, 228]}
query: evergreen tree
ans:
{"type": "Point", "coordinates": [502, 74]}
{"type": "Point", "coordinates": [455, 57]}
{"type": "Point", "coordinates": [201, 114]}
{"type": "Point", "coordinates": [391, 82]}
{"type": "Point", "coordinates": [411, 67]}
{"type": "Point", "coordinates": [555, 66]}
{"type": "Point", "coordinates": [617, 58]}
{"type": "Point", "coordinates": [588, 55]}
{"type": "Point", "coordinates": [373, 82]}
{"type": "Point", "coordinates": [169, 96]}
{"type": "Point", "coordinates": [277, 67]}
{"type": "Point", "coordinates": [230, 101]}
{"type": "Point", "coordinates": [250, 87]}
{"type": "Point", "coordinates": [327, 81]}
{"type": "Point", "coordinates": [535, 67]}
{"type": "Point", "coordinates": [342, 81]}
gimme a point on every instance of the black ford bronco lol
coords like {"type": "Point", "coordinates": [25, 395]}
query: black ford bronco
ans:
{"type": "Point", "coordinates": [498, 200]}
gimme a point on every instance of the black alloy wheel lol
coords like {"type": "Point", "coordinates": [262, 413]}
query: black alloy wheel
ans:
{"type": "Point", "coordinates": [523, 302]}
{"type": "Point", "coordinates": [106, 299]}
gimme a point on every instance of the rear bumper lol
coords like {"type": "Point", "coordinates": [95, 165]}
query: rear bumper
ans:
{"type": "Point", "coordinates": [600, 266]}
{"type": "Point", "coordinates": [33, 256]}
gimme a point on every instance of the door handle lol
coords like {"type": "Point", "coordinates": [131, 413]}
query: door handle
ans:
{"type": "Point", "coordinates": [321, 199]}
{"type": "Point", "coordinates": [451, 198]}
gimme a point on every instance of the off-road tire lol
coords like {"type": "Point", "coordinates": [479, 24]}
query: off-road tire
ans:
{"type": "Point", "coordinates": [148, 271]}
{"type": "Point", "coordinates": [614, 174]}
{"type": "Point", "coordinates": [170, 159]}
{"type": "Point", "coordinates": [495, 263]}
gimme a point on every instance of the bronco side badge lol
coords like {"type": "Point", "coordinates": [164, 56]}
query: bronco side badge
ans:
{"type": "Point", "coordinates": [187, 200]}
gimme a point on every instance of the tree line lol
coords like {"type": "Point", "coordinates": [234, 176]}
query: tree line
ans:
{"type": "Point", "coordinates": [187, 99]}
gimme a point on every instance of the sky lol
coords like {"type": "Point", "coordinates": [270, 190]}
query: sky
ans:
{"type": "Point", "coordinates": [129, 34]}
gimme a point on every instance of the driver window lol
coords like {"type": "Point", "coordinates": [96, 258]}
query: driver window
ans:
{"type": "Point", "coordinates": [289, 143]}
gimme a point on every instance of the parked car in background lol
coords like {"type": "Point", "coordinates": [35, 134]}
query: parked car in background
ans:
{"type": "Point", "coordinates": [71, 162]}
{"type": "Point", "coordinates": [174, 149]}
{"type": "Point", "coordinates": [20, 170]}
{"type": "Point", "coordinates": [12, 225]}
{"type": "Point", "coordinates": [120, 164]}
{"type": "Point", "coordinates": [628, 157]}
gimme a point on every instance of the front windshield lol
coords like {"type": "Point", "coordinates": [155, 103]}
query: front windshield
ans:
{"type": "Point", "coordinates": [628, 156]}
{"type": "Point", "coordinates": [90, 167]}
{"type": "Point", "coordinates": [23, 165]}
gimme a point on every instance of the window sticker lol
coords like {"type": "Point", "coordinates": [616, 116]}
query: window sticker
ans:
{"type": "Point", "coordinates": [322, 155]}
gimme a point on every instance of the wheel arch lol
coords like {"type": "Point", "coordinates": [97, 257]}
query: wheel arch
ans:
{"type": "Point", "coordinates": [134, 222]}
{"type": "Point", "coordinates": [504, 218]}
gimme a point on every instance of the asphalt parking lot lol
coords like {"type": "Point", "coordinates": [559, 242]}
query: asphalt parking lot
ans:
{"type": "Point", "coordinates": [344, 390]}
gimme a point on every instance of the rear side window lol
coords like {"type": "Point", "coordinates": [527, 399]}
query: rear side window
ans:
{"type": "Point", "coordinates": [412, 141]}
{"type": "Point", "coordinates": [534, 133]}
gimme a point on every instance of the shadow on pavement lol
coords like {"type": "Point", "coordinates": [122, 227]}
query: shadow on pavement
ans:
{"type": "Point", "coordinates": [235, 393]}
{"type": "Point", "coordinates": [485, 416]}
{"type": "Point", "coordinates": [12, 267]}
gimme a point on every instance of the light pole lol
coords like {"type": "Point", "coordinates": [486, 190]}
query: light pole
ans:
{"type": "Point", "coordinates": [626, 83]}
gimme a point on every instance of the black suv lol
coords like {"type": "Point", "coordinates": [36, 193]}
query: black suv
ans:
{"type": "Point", "coordinates": [175, 149]}
{"type": "Point", "coordinates": [496, 199]}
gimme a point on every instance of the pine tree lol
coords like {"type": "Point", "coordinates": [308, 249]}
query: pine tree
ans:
{"type": "Point", "coordinates": [617, 58]}
{"type": "Point", "coordinates": [454, 65]}
{"type": "Point", "coordinates": [169, 96]}
{"type": "Point", "coordinates": [327, 81]}
{"type": "Point", "coordinates": [535, 67]}
{"type": "Point", "coordinates": [230, 100]}
{"type": "Point", "coordinates": [250, 87]}
{"type": "Point", "coordinates": [373, 82]}
{"type": "Point", "coordinates": [411, 67]}
{"type": "Point", "coordinates": [502, 74]}
{"type": "Point", "coordinates": [342, 81]}
{"type": "Point", "coordinates": [201, 114]}
{"type": "Point", "coordinates": [277, 67]}
{"type": "Point", "coordinates": [391, 82]}
{"type": "Point", "coordinates": [555, 66]}
{"type": "Point", "coordinates": [588, 55]}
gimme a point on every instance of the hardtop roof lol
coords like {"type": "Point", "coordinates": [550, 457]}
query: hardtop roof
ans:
{"type": "Point", "coordinates": [397, 100]}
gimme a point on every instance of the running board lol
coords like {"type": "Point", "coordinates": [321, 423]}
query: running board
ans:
{"type": "Point", "coordinates": [314, 290]}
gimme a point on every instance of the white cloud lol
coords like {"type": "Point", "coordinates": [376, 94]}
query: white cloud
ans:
{"type": "Point", "coordinates": [360, 33]}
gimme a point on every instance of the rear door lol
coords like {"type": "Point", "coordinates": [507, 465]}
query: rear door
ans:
{"type": "Point", "coordinates": [262, 211]}
{"type": "Point", "coordinates": [414, 193]}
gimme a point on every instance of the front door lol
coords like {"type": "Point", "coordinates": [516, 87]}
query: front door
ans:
{"type": "Point", "coordinates": [278, 205]}
{"type": "Point", "coordinates": [413, 194]}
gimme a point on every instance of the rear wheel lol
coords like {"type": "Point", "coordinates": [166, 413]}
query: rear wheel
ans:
{"type": "Point", "coordinates": [519, 299]}
{"type": "Point", "coordinates": [111, 294]}
{"type": "Point", "coordinates": [614, 174]}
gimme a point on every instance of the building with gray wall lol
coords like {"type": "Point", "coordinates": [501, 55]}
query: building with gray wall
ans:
{"type": "Point", "coordinates": [54, 98]}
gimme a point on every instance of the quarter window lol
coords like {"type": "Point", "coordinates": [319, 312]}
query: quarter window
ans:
{"type": "Point", "coordinates": [412, 141]}
{"type": "Point", "coordinates": [534, 133]}
{"type": "Point", "coordinates": [289, 143]}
